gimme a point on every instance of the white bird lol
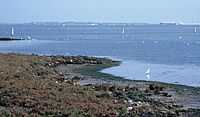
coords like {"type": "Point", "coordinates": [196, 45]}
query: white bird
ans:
{"type": "Point", "coordinates": [29, 37]}
{"type": "Point", "coordinates": [180, 37]}
{"type": "Point", "coordinates": [148, 71]}
{"type": "Point", "coordinates": [155, 42]}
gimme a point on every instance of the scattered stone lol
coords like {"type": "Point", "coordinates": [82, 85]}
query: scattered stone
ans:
{"type": "Point", "coordinates": [139, 102]}
{"type": "Point", "coordinates": [130, 102]}
{"type": "Point", "coordinates": [125, 101]}
{"type": "Point", "coordinates": [129, 108]}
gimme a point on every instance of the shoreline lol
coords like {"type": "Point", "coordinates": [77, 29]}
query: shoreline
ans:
{"type": "Point", "coordinates": [165, 73]}
{"type": "Point", "coordinates": [10, 39]}
{"type": "Point", "coordinates": [79, 86]}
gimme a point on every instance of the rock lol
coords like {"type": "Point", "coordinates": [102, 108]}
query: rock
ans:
{"type": "Point", "coordinates": [130, 102]}
{"type": "Point", "coordinates": [139, 102]}
{"type": "Point", "coordinates": [125, 101]}
{"type": "Point", "coordinates": [129, 108]}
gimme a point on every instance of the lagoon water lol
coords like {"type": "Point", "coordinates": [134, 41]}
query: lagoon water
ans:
{"type": "Point", "coordinates": [172, 52]}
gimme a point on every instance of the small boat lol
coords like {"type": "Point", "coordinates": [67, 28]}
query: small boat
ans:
{"type": "Point", "coordinates": [168, 23]}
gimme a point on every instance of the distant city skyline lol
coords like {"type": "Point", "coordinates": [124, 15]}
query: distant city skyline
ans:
{"type": "Point", "coordinates": [111, 11]}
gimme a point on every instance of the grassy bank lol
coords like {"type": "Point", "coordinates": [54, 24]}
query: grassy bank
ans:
{"type": "Point", "coordinates": [94, 70]}
{"type": "Point", "coordinates": [30, 85]}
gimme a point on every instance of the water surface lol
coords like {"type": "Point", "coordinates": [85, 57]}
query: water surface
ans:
{"type": "Point", "coordinates": [171, 52]}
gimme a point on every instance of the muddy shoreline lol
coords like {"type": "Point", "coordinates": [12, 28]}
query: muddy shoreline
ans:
{"type": "Point", "coordinates": [72, 86]}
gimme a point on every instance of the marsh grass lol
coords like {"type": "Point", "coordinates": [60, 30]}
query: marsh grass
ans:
{"type": "Point", "coordinates": [35, 91]}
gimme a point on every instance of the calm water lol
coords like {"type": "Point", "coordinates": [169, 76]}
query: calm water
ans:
{"type": "Point", "coordinates": [171, 52]}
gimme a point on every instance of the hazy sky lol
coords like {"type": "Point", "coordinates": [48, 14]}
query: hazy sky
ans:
{"type": "Point", "coordinates": [135, 11]}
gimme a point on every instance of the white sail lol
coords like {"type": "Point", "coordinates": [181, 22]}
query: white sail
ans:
{"type": "Point", "coordinates": [123, 31]}
{"type": "Point", "coordinates": [195, 30]}
{"type": "Point", "coordinates": [12, 31]}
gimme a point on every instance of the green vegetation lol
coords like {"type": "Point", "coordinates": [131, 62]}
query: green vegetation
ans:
{"type": "Point", "coordinates": [46, 98]}
{"type": "Point", "coordinates": [93, 70]}
{"type": "Point", "coordinates": [30, 86]}
{"type": "Point", "coordinates": [179, 88]}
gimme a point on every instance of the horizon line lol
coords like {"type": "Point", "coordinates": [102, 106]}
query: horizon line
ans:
{"type": "Point", "coordinates": [93, 22]}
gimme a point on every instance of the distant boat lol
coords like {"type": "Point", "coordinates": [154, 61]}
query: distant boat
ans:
{"type": "Point", "coordinates": [12, 31]}
{"type": "Point", "coordinates": [195, 30]}
{"type": "Point", "coordinates": [168, 23]}
{"type": "Point", "coordinates": [123, 31]}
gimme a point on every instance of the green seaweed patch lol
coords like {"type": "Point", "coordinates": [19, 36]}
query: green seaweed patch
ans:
{"type": "Point", "coordinates": [94, 70]}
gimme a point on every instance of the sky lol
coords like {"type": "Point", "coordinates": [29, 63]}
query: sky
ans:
{"type": "Point", "coordinates": [116, 11]}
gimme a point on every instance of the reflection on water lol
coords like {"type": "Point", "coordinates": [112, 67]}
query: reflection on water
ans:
{"type": "Point", "coordinates": [178, 74]}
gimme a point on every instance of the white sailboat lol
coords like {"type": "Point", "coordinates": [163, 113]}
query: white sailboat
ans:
{"type": "Point", "coordinates": [12, 31]}
{"type": "Point", "coordinates": [123, 31]}
{"type": "Point", "coordinates": [195, 30]}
